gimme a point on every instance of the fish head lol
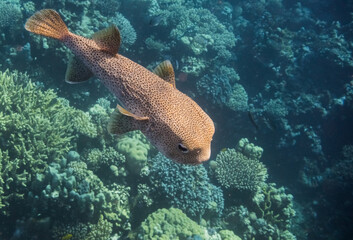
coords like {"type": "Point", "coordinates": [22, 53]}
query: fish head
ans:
{"type": "Point", "coordinates": [186, 138]}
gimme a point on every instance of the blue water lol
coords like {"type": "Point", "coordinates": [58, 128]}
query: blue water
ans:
{"type": "Point", "coordinates": [276, 77]}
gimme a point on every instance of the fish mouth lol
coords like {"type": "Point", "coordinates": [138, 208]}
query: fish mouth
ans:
{"type": "Point", "coordinates": [203, 156]}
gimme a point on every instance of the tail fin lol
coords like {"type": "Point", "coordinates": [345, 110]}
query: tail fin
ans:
{"type": "Point", "coordinates": [47, 22]}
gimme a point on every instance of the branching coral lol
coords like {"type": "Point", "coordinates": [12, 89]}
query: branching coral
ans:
{"type": "Point", "coordinates": [36, 128]}
{"type": "Point", "coordinates": [101, 161]}
{"type": "Point", "coordinates": [274, 205]}
{"type": "Point", "coordinates": [99, 231]}
{"type": "Point", "coordinates": [200, 30]}
{"type": "Point", "coordinates": [236, 171]}
{"type": "Point", "coordinates": [221, 88]}
{"type": "Point", "coordinates": [128, 34]}
{"type": "Point", "coordinates": [185, 187]}
{"type": "Point", "coordinates": [10, 14]}
{"type": "Point", "coordinates": [268, 216]}
{"type": "Point", "coordinates": [73, 190]}
{"type": "Point", "coordinates": [238, 98]}
{"type": "Point", "coordinates": [249, 149]}
{"type": "Point", "coordinates": [276, 107]}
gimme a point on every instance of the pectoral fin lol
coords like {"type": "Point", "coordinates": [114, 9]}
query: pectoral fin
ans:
{"type": "Point", "coordinates": [77, 71]}
{"type": "Point", "coordinates": [122, 121]}
{"type": "Point", "coordinates": [165, 71]}
{"type": "Point", "coordinates": [108, 39]}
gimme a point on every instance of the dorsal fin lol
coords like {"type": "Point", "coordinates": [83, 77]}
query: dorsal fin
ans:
{"type": "Point", "coordinates": [122, 121]}
{"type": "Point", "coordinates": [165, 71]}
{"type": "Point", "coordinates": [77, 71]}
{"type": "Point", "coordinates": [108, 39]}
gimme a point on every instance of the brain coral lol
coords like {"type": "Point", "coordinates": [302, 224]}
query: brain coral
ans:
{"type": "Point", "coordinates": [135, 147]}
{"type": "Point", "coordinates": [36, 128]}
{"type": "Point", "coordinates": [165, 224]}
{"type": "Point", "coordinates": [234, 170]}
{"type": "Point", "coordinates": [185, 187]}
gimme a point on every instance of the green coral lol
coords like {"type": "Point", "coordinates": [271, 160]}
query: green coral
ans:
{"type": "Point", "coordinates": [249, 149]}
{"type": "Point", "coordinates": [228, 235]}
{"type": "Point", "coordinates": [267, 215]}
{"type": "Point", "coordinates": [135, 147]}
{"type": "Point", "coordinates": [71, 190]}
{"type": "Point", "coordinates": [238, 98]}
{"type": "Point", "coordinates": [36, 128]}
{"type": "Point", "coordinates": [276, 107]}
{"type": "Point", "coordinates": [108, 158]}
{"type": "Point", "coordinates": [199, 30]}
{"type": "Point", "coordinates": [234, 170]}
{"type": "Point", "coordinates": [101, 230]}
{"type": "Point", "coordinates": [166, 224]}
{"type": "Point", "coordinates": [274, 205]}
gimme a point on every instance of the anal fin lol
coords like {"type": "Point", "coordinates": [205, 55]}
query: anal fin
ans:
{"type": "Point", "coordinates": [77, 71]}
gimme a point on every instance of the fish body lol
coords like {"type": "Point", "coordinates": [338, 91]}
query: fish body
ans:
{"type": "Point", "coordinates": [171, 120]}
{"type": "Point", "coordinates": [156, 20]}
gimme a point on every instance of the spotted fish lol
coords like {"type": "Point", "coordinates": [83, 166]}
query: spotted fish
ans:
{"type": "Point", "coordinates": [149, 101]}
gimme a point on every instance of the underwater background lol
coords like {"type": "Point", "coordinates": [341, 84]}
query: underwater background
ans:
{"type": "Point", "coordinates": [276, 76]}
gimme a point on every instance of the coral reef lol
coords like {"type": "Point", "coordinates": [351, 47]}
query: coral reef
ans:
{"type": "Point", "coordinates": [216, 88]}
{"type": "Point", "coordinates": [99, 231]}
{"type": "Point", "coordinates": [269, 216]}
{"type": "Point", "coordinates": [72, 190]}
{"type": "Point", "coordinates": [222, 89]}
{"type": "Point", "coordinates": [200, 31]}
{"type": "Point", "coordinates": [136, 148]}
{"type": "Point", "coordinates": [228, 235]}
{"type": "Point", "coordinates": [249, 149]}
{"type": "Point", "coordinates": [127, 32]}
{"type": "Point", "coordinates": [185, 187]}
{"type": "Point", "coordinates": [101, 161]}
{"type": "Point", "coordinates": [169, 224]}
{"type": "Point", "coordinates": [36, 129]}
{"type": "Point", "coordinates": [288, 64]}
{"type": "Point", "coordinates": [235, 171]}
{"type": "Point", "coordinates": [237, 99]}
{"type": "Point", "coordinates": [10, 14]}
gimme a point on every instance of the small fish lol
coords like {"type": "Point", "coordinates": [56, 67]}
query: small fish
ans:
{"type": "Point", "coordinates": [224, 149]}
{"type": "Point", "coordinates": [156, 20]}
{"type": "Point", "coordinates": [252, 120]}
{"type": "Point", "coordinates": [67, 237]}
{"type": "Point", "coordinates": [171, 120]}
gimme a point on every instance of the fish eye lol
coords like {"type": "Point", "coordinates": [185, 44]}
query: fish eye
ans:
{"type": "Point", "coordinates": [182, 148]}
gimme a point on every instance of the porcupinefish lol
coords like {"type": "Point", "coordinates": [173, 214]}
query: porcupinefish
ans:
{"type": "Point", "coordinates": [149, 101]}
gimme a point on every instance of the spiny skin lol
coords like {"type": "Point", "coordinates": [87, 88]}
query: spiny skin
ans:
{"type": "Point", "coordinates": [173, 117]}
